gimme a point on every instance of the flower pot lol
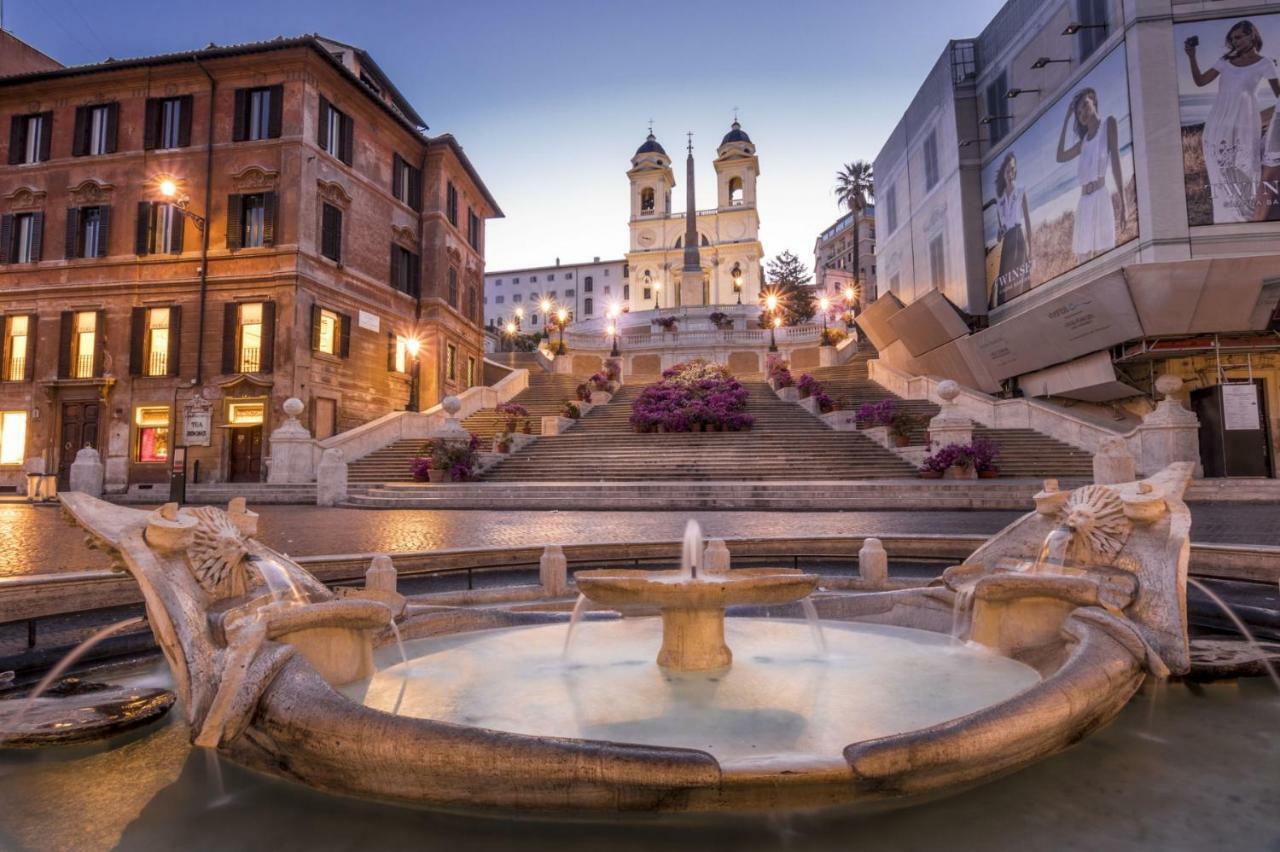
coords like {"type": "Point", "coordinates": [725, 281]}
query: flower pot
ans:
{"type": "Point", "coordinates": [434, 475]}
{"type": "Point", "coordinates": [930, 474]}
{"type": "Point", "coordinates": [960, 472]}
{"type": "Point", "coordinates": [988, 474]}
{"type": "Point", "coordinates": [901, 440]}
{"type": "Point", "coordinates": [504, 448]}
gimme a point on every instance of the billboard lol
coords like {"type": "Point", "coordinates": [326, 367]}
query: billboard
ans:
{"type": "Point", "coordinates": [1063, 192]}
{"type": "Point", "coordinates": [1227, 91]}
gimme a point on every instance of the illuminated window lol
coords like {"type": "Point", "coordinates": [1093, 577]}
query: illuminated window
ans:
{"type": "Point", "coordinates": [153, 432]}
{"type": "Point", "coordinates": [250, 360]}
{"type": "Point", "coordinates": [246, 413]}
{"type": "Point", "coordinates": [327, 333]}
{"type": "Point", "coordinates": [82, 344]}
{"type": "Point", "coordinates": [13, 436]}
{"type": "Point", "coordinates": [451, 362]}
{"type": "Point", "coordinates": [17, 335]}
{"type": "Point", "coordinates": [471, 372]}
{"type": "Point", "coordinates": [402, 355]}
{"type": "Point", "coordinates": [155, 345]}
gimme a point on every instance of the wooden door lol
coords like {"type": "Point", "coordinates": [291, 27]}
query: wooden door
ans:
{"type": "Point", "coordinates": [246, 454]}
{"type": "Point", "coordinates": [326, 414]}
{"type": "Point", "coordinates": [79, 430]}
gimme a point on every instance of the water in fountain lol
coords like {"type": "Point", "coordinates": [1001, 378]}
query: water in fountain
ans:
{"type": "Point", "coordinates": [960, 608]}
{"type": "Point", "coordinates": [278, 579]}
{"type": "Point", "coordinates": [1239, 625]}
{"type": "Point", "coordinates": [815, 625]}
{"type": "Point", "coordinates": [578, 609]}
{"type": "Point", "coordinates": [1053, 553]}
{"type": "Point", "coordinates": [691, 555]}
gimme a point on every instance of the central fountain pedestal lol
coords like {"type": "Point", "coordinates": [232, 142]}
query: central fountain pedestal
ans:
{"type": "Point", "coordinates": [693, 607]}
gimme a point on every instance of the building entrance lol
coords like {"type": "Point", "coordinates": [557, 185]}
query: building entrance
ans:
{"type": "Point", "coordinates": [79, 429]}
{"type": "Point", "coordinates": [1233, 433]}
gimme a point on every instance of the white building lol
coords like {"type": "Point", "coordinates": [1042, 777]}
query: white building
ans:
{"type": "Point", "coordinates": [1058, 219]}
{"type": "Point", "coordinates": [845, 255]}
{"type": "Point", "coordinates": [586, 289]}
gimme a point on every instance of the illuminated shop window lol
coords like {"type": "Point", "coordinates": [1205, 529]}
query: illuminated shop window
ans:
{"type": "Point", "coordinates": [13, 436]}
{"type": "Point", "coordinates": [153, 432]}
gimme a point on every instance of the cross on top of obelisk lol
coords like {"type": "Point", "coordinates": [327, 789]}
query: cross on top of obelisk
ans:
{"type": "Point", "coordinates": [690, 135]}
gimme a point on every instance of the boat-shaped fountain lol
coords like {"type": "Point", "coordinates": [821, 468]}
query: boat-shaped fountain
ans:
{"type": "Point", "coordinates": [662, 703]}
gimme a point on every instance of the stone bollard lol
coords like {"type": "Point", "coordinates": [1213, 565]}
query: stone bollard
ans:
{"type": "Point", "coordinates": [291, 453]}
{"type": "Point", "coordinates": [827, 356]}
{"type": "Point", "coordinates": [873, 564]}
{"type": "Point", "coordinates": [1170, 433]}
{"type": "Point", "coordinates": [87, 472]}
{"type": "Point", "coordinates": [715, 559]}
{"type": "Point", "coordinates": [381, 576]}
{"type": "Point", "coordinates": [553, 571]}
{"type": "Point", "coordinates": [950, 425]}
{"type": "Point", "coordinates": [331, 478]}
{"type": "Point", "coordinates": [1114, 463]}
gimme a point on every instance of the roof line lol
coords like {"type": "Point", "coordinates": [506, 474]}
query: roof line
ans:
{"type": "Point", "coordinates": [622, 260]}
{"type": "Point", "coordinates": [452, 142]}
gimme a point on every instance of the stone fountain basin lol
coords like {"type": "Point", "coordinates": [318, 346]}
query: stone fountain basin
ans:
{"type": "Point", "coordinates": [675, 590]}
{"type": "Point", "coordinates": [307, 730]}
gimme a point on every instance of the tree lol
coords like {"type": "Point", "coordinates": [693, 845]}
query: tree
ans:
{"type": "Point", "coordinates": [854, 185]}
{"type": "Point", "coordinates": [790, 281]}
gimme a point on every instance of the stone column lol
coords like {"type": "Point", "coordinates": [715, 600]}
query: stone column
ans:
{"type": "Point", "coordinates": [950, 426]}
{"type": "Point", "coordinates": [381, 576]}
{"type": "Point", "coordinates": [553, 571]}
{"type": "Point", "coordinates": [87, 472]}
{"type": "Point", "coordinates": [827, 356]}
{"type": "Point", "coordinates": [873, 563]}
{"type": "Point", "coordinates": [331, 478]}
{"type": "Point", "coordinates": [291, 450]}
{"type": "Point", "coordinates": [1169, 434]}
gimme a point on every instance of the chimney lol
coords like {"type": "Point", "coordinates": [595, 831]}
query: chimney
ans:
{"type": "Point", "coordinates": [557, 261]}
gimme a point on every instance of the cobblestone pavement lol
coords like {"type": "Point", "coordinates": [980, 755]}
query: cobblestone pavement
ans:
{"type": "Point", "coordinates": [37, 539]}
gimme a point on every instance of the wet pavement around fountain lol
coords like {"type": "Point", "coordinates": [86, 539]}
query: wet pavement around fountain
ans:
{"type": "Point", "coordinates": [37, 539]}
{"type": "Point", "coordinates": [1183, 767]}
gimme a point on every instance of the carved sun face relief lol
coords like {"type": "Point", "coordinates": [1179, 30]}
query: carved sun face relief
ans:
{"type": "Point", "coordinates": [218, 554]}
{"type": "Point", "coordinates": [1099, 529]}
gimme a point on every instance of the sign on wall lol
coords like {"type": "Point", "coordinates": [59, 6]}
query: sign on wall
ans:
{"type": "Point", "coordinates": [1063, 192]}
{"type": "Point", "coordinates": [197, 423]}
{"type": "Point", "coordinates": [1227, 90]}
{"type": "Point", "coordinates": [367, 321]}
{"type": "Point", "coordinates": [1240, 408]}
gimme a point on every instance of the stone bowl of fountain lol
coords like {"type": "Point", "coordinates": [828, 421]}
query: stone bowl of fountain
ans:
{"type": "Point", "coordinates": [1038, 639]}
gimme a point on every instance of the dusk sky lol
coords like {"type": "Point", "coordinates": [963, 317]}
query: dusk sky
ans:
{"type": "Point", "coordinates": [550, 99]}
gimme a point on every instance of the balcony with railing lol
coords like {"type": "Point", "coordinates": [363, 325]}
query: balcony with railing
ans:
{"type": "Point", "coordinates": [16, 369]}
{"type": "Point", "coordinates": [83, 367]}
{"type": "Point", "coordinates": [158, 363]}
{"type": "Point", "coordinates": [250, 359]}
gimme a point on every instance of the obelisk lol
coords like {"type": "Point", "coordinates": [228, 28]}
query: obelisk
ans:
{"type": "Point", "coordinates": [691, 271]}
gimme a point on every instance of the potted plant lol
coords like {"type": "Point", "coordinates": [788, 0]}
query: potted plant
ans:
{"type": "Point", "coordinates": [933, 467]}
{"type": "Point", "coordinates": [583, 392]}
{"type": "Point", "coordinates": [901, 424]}
{"type": "Point", "coordinates": [502, 442]}
{"type": "Point", "coordinates": [721, 320]}
{"type": "Point", "coordinates": [514, 413]}
{"type": "Point", "coordinates": [985, 452]}
{"type": "Point", "coordinates": [826, 404]}
{"type": "Point", "coordinates": [808, 386]}
{"type": "Point", "coordinates": [667, 324]}
{"type": "Point", "coordinates": [571, 410]}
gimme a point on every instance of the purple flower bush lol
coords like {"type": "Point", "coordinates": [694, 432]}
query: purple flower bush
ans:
{"type": "Point", "coordinates": [665, 323]}
{"type": "Point", "coordinates": [887, 413]}
{"type": "Point", "coordinates": [826, 404]}
{"type": "Point", "coordinates": [808, 386]}
{"type": "Point", "coordinates": [693, 396]}
{"type": "Point", "coordinates": [600, 381]}
{"type": "Point", "coordinates": [980, 455]}
{"type": "Point", "coordinates": [612, 370]}
{"type": "Point", "coordinates": [775, 364]}
{"type": "Point", "coordinates": [457, 458]}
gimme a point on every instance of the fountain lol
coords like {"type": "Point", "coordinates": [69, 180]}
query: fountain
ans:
{"type": "Point", "coordinates": [1059, 619]}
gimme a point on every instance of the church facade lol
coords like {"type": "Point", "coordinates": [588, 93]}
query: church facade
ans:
{"type": "Point", "coordinates": [729, 253]}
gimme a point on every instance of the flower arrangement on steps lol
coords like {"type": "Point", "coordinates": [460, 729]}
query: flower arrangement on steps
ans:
{"type": "Point", "coordinates": [963, 461]}
{"type": "Point", "coordinates": [583, 392]}
{"type": "Point", "coordinates": [721, 320]}
{"type": "Point", "coordinates": [665, 323]}
{"type": "Point", "coordinates": [778, 372]}
{"type": "Point", "coordinates": [831, 336]}
{"type": "Point", "coordinates": [516, 416]}
{"type": "Point", "coordinates": [697, 396]}
{"type": "Point", "coordinates": [811, 387]}
{"type": "Point", "coordinates": [888, 414]}
{"type": "Point", "coordinates": [571, 410]}
{"type": "Point", "coordinates": [438, 460]}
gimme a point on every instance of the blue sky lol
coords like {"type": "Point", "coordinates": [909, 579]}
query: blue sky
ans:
{"type": "Point", "coordinates": [550, 99]}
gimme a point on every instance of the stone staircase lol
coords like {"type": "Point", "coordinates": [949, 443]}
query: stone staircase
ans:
{"type": "Point", "coordinates": [787, 443]}
{"type": "Point", "coordinates": [544, 396]}
{"type": "Point", "coordinates": [1023, 452]}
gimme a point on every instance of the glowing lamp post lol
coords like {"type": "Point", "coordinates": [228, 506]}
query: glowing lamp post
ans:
{"type": "Point", "coordinates": [562, 319]}
{"type": "Point", "coordinates": [773, 341]}
{"type": "Point", "coordinates": [411, 347]}
{"type": "Point", "coordinates": [849, 295]}
{"type": "Point", "coordinates": [511, 329]}
{"type": "Point", "coordinates": [613, 331]}
{"type": "Point", "coordinates": [824, 305]}
{"type": "Point", "coordinates": [181, 201]}
{"type": "Point", "coordinates": [737, 282]}
{"type": "Point", "coordinates": [771, 305]}
{"type": "Point", "coordinates": [657, 289]}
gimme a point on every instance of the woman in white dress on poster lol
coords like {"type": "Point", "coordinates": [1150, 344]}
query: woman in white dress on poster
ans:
{"type": "Point", "coordinates": [1097, 146]}
{"type": "Point", "coordinates": [1232, 139]}
{"type": "Point", "coordinates": [1013, 232]}
{"type": "Point", "coordinates": [1268, 204]}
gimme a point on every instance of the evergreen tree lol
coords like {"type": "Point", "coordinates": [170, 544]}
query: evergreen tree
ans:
{"type": "Point", "coordinates": [789, 279]}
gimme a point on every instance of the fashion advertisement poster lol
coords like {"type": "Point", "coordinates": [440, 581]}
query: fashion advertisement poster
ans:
{"type": "Point", "coordinates": [1228, 87]}
{"type": "Point", "coordinates": [1063, 192]}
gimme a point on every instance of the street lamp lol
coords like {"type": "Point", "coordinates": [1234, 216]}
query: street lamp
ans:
{"type": "Point", "coordinates": [613, 330]}
{"type": "Point", "coordinates": [773, 341]}
{"type": "Point", "coordinates": [771, 307]}
{"type": "Point", "coordinates": [562, 319]}
{"type": "Point", "coordinates": [180, 201]}
{"type": "Point", "coordinates": [411, 347]}
{"type": "Point", "coordinates": [511, 329]}
{"type": "Point", "coordinates": [824, 305]}
{"type": "Point", "coordinates": [849, 295]}
{"type": "Point", "coordinates": [657, 288]}
{"type": "Point", "coordinates": [737, 281]}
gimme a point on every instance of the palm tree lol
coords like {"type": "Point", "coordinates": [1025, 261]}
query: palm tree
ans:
{"type": "Point", "coordinates": [854, 185]}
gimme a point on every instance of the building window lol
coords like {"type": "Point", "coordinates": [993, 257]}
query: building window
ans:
{"type": "Point", "coordinates": [83, 344]}
{"type": "Point", "coordinates": [451, 203]}
{"type": "Point", "coordinates": [248, 337]}
{"type": "Point", "coordinates": [515, 280]}
{"type": "Point", "coordinates": [626, 291]}
{"type": "Point", "coordinates": [648, 294]}
{"type": "Point", "coordinates": [406, 182]}
{"type": "Point", "coordinates": [587, 284]}
{"type": "Point", "coordinates": [891, 207]}
{"type": "Point", "coordinates": [246, 413]}
{"type": "Point", "coordinates": [937, 263]}
{"type": "Point", "coordinates": [497, 282]}
{"type": "Point", "coordinates": [327, 332]}
{"type": "Point", "coordinates": [158, 333]}
{"type": "Point", "coordinates": [87, 231]}
{"type": "Point", "coordinates": [997, 120]}
{"type": "Point", "coordinates": [250, 357]}
{"type": "Point", "coordinates": [21, 236]}
{"type": "Point", "coordinates": [646, 200]}
{"type": "Point", "coordinates": [13, 436]}
{"type": "Point", "coordinates": [160, 228]}
{"type": "Point", "coordinates": [400, 359]}
{"type": "Point", "coordinates": [251, 220]}
{"type": "Point", "coordinates": [19, 335]}
{"type": "Point", "coordinates": [258, 113]}
{"type": "Point", "coordinates": [95, 130]}
{"type": "Point", "coordinates": [331, 233]}
{"type": "Point", "coordinates": [29, 137]}
{"type": "Point", "coordinates": [451, 362]}
{"type": "Point", "coordinates": [735, 191]}
{"type": "Point", "coordinates": [497, 300]}
{"type": "Point", "coordinates": [336, 131]}
{"type": "Point", "coordinates": [606, 289]}
{"type": "Point", "coordinates": [533, 279]}
{"type": "Point", "coordinates": [473, 229]}
{"type": "Point", "coordinates": [471, 371]}
{"type": "Point", "coordinates": [452, 293]}
{"type": "Point", "coordinates": [931, 160]}
{"type": "Point", "coordinates": [551, 277]}
{"type": "Point", "coordinates": [153, 433]}
{"type": "Point", "coordinates": [473, 311]}
{"type": "Point", "coordinates": [533, 320]}
{"type": "Point", "coordinates": [168, 123]}
{"type": "Point", "coordinates": [568, 294]}
{"type": "Point", "coordinates": [1095, 21]}
{"type": "Point", "coordinates": [516, 298]}
{"type": "Point", "coordinates": [587, 306]}
{"type": "Point", "coordinates": [404, 270]}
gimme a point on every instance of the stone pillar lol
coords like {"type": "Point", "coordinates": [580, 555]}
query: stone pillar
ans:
{"type": "Point", "coordinates": [1168, 434]}
{"type": "Point", "coordinates": [381, 576]}
{"type": "Point", "coordinates": [87, 472]}
{"type": "Point", "coordinates": [331, 478]}
{"type": "Point", "coordinates": [873, 563]}
{"type": "Point", "coordinates": [291, 449]}
{"type": "Point", "coordinates": [827, 356]}
{"type": "Point", "coordinates": [715, 559]}
{"type": "Point", "coordinates": [1113, 463]}
{"type": "Point", "coordinates": [116, 464]}
{"type": "Point", "coordinates": [553, 571]}
{"type": "Point", "coordinates": [950, 426]}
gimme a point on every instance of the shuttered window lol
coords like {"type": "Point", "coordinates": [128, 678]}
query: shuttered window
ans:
{"type": "Point", "coordinates": [330, 332]}
{"type": "Point", "coordinates": [452, 293]}
{"type": "Point", "coordinates": [154, 341]}
{"type": "Point", "coordinates": [22, 237]}
{"type": "Point", "coordinates": [19, 348]}
{"type": "Point", "coordinates": [252, 220]}
{"type": "Point", "coordinates": [331, 232]}
{"type": "Point", "coordinates": [404, 270]}
{"type": "Point", "coordinates": [258, 113]}
{"type": "Point", "coordinates": [88, 231]}
{"type": "Point", "coordinates": [30, 137]}
{"type": "Point", "coordinates": [451, 203]}
{"type": "Point", "coordinates": [336, 131]}
{"type": "Point", "coordinates": [473, 229]}
{"type": "Point", "coordinates": [167, 123]}
{"type": "Point", "coordinates": [406, 182]}
{"type": "Point", "coordinates": [159, 228]}
{"type": "Point", "coordinates": [95, 130]}
{"type": "Point", "coordinates": [248, 337]}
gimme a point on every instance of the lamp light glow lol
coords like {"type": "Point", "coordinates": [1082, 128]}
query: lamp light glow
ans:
{"type": "Point", "coordinates": [168, 188]}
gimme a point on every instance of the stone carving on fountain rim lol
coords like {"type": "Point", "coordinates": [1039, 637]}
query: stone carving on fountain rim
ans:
{"type": "Point", "coordinates": [1099, 529]}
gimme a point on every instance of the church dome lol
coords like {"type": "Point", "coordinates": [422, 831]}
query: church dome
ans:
{"type": "Point", "coordinates": [735, 134]}
{"type": "Point", "coordinates": [651, 146]}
